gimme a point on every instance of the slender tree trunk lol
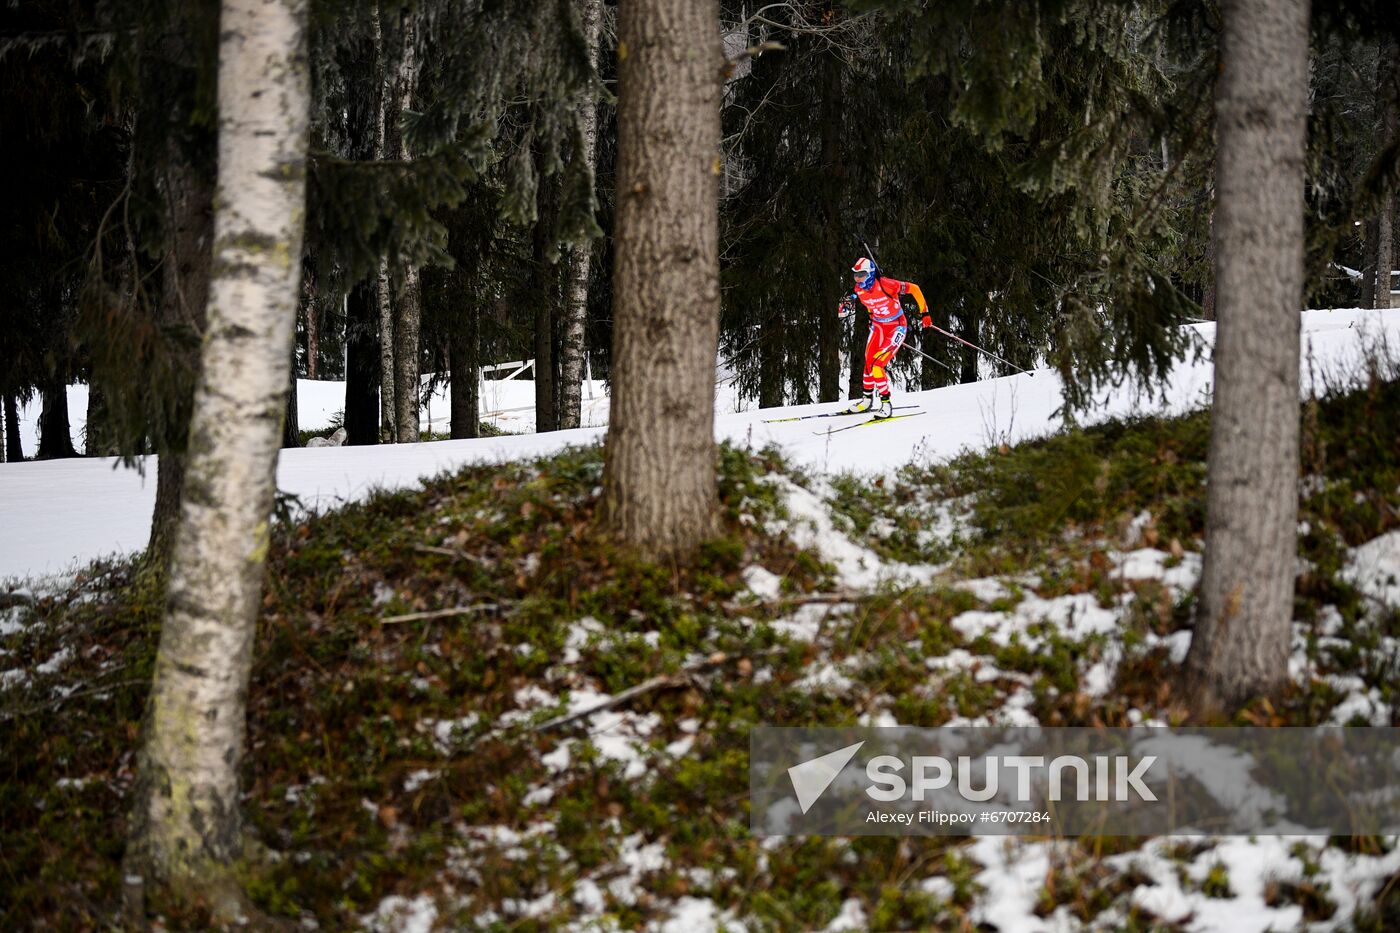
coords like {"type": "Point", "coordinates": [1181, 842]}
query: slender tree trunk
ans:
{"type": "Point", "coordinates": [408, 306]}
{"type": "Point", "coordinates": [829, 326]}
{"type": "Point", "coordinates": [388, 404]}
{"type": "Point", "coordinates": [362, 365]}
{"type": "Point", "coordinates": [55, 433]}
{"type": "Point", "coordinates": [1241, 642]}
{"type": "Point", "coordinates": [1388, 102]}
{"type": "Point", "coordinates": [659, 489]}
{"type": "Point", "coordinates": [1368, 273]}
{"type": "Point", "coordinates": [186, 830]}
{"type": "Point", "coordinates": [14, 449]}
{"type": "Point", "coordinates": [570, 399]}
{"type": "Point", "coordinates": [466, 406]}
{"type": "Point", "coordinates": [543, 294]}
{"type": "Point", "coordinates": [313, 322]}
{"type": "Point", "coordinates": [860, 335]}
{"type": "Point", "coordinates": [291, 430]}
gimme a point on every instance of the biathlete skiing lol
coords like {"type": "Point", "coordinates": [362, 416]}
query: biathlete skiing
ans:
{"type": "Point", "coordinates": [888, 329]}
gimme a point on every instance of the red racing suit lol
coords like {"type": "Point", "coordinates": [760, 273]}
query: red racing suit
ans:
{"type": "Point", "coordinates": [888, 327]}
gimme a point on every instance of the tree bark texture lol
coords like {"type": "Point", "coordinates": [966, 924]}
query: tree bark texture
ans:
{"type": "Point", "coordinates": [408, 300]}
{"type": "Point", "coordinates": [1388, 102]}
{"type": "Point", "coordinates": [388, 382]}
{"type": "Point", "coordinates": [1243, 627]}
{"type": "Point", "coordinates": [186, 829]}
{"type": "Point", "coordinates": [14, 450]}
{"type": "Point", "coordinates": [659, 486]}
{"type": "Point", "coordinates": [575, 310]}
{"type": "Point", "coordinates": [312, 299]}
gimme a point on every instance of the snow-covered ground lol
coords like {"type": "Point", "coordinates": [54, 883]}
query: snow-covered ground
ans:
{"type": "Point", "coordinates": [58, 514]}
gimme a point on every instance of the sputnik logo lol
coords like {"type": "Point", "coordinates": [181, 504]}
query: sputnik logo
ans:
{"type": "Point", "coordinates": [811, 778]}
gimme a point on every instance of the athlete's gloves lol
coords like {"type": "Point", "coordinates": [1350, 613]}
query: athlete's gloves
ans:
{"type": "Point", "coordinates": [846, 307]}
{"type": "Point", "coordinates": [926, 323]}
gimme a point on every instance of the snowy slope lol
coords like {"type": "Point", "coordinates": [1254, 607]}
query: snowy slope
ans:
{"type": "Point", "coordinates": [56, 514]}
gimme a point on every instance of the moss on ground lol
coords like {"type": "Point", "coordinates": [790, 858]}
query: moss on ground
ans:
{"type": "Point", "coordinates": [391, 755]}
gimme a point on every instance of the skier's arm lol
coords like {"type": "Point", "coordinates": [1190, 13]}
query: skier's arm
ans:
{"type": "Point", "coordinates": [846, 306]}
{"type": "Point", "coordinates": [918, 294]}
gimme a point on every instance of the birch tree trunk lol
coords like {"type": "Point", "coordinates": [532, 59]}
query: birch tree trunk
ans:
{"type": "Point", "coordinates": [1388, 100]}
{"type": "Point", "coordinates": [186, 828]}
{"type": "Point", "coordinates": [659, 488]}
{"type": "Point", "coordinates": [408, 306]}
{"type": "Point", "coordinates": [570, 401]}
{"type": "Point", "coordinates": [388, 403]}
{"type": "Point", "coordinates": [1243, 626]}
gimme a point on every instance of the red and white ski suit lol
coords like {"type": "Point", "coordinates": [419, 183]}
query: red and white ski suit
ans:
{"type": "Point", "coordinates": [888, 327]}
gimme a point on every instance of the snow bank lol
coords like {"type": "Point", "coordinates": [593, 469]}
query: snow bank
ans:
{"type": "Point", "coordinates": [69, 512]}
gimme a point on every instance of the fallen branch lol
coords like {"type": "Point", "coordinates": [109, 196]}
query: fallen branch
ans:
{"type": "Point", "coordinates": [440, 613]}
{"type": "Point", "coordinates": [684, 677]}
{"type": "Point", "coordinates": [447, 552]}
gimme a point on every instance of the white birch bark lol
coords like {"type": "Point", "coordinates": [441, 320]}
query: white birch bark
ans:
{"type": "Point", "coordinates": [407, 314]}
{"type": "Point", "coordinates": [387, 401]}
{"type": "Point", "coordinates": [186, 826]}
{"type": "Point", "coordinates": [576, 291]}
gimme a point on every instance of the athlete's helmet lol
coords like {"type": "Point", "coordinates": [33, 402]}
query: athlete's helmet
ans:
{"type": "Point", "coordinates": [864, 271]}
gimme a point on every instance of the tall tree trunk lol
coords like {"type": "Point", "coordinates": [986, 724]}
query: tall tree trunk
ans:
{"type": "Point", "coordinates": [406, 334]}
{"type": "Point", "coordinates": [388, 382]}
{"type": "Point", "coordinates": [291, 429]}
{"type": "Point", "coordinates": [1388, 102]}
{"type": "Point", "coordinates": [659, 488]}
{"type": "Point", "coordinates": [575, 311]}
{"type": "Point", "coordinates": [312, 299]}
{"type": "Point", "coordinates": [543, 294]}
{"type": "Point", "coordinates": [1368, 273]}
{"type": "Point", "coordinates": [829, 326]}
{"type": "Point", "coordinates": [362, 365]}
{"type": "Point", "coordinates": [860, 335]}
{"type": "Point", "coordinates": [463, 352]}
{"type": "Point", "coordinates": [1241, 642]}
{"type": "Point", "coordinates": [408, 304]}
{"type": "Point", "coordinates": [14, 449]}
{"type": "Point", "coordinates": [186, 830]}
{"type": "Point", "coordinates": [55, 433]}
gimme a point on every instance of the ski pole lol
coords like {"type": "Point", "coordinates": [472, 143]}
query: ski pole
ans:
{"type": "Point", "coordinates": [980, 350]}
{"type": "Point", "coordinates": [927, 357]}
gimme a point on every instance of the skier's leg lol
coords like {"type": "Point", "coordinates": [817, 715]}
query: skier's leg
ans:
{"type": "Point", "coordinates": [872, 346]}
{"type": "Point", "coordinates": [890, 339]}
